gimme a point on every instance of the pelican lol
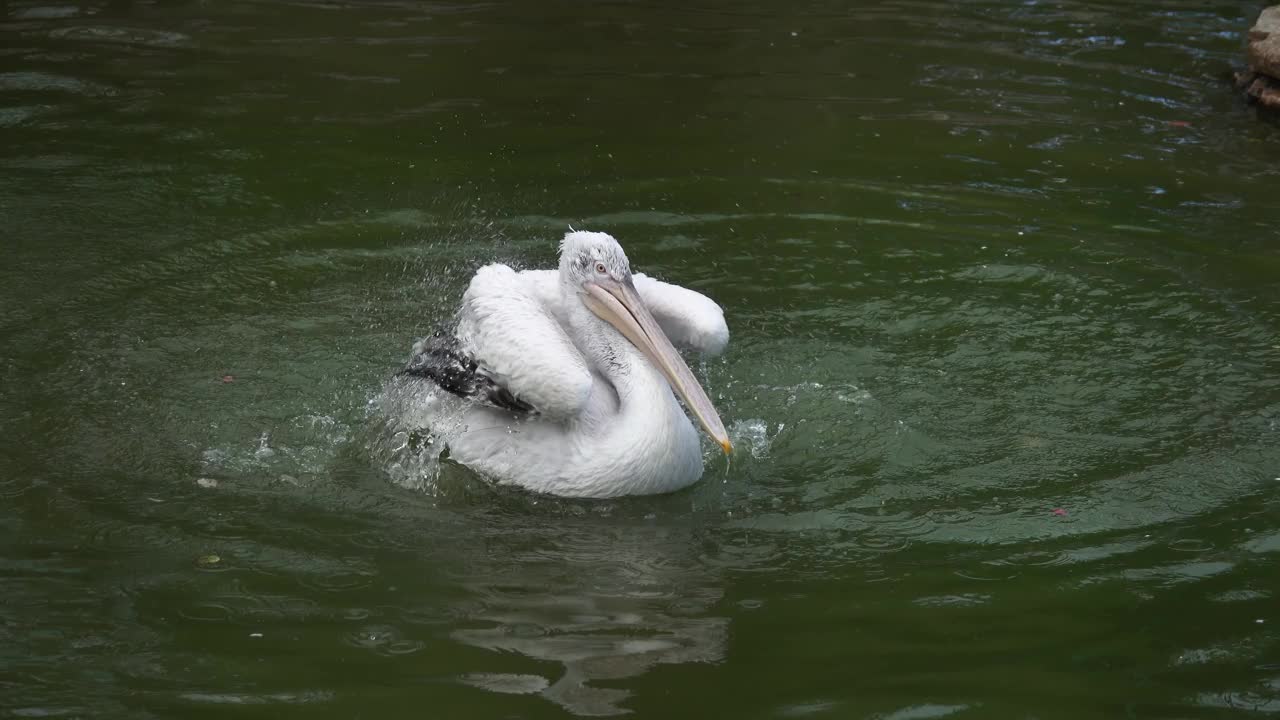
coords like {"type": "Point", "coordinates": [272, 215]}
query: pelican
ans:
{"type": "Point", "coordinates": [568, 375]}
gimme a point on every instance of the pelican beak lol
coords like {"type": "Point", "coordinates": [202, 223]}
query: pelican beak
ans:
{"type": "Point", "coordinates": [617, 303]}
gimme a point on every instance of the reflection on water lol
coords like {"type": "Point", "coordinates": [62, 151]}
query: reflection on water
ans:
{"type": "Point", "coordinates": [607, 604]}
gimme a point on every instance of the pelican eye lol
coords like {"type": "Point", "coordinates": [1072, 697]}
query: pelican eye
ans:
{"type": "Point", "coordinates": [600, 268]}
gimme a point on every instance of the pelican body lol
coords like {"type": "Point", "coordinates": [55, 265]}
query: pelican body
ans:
{"type": "Point", "coordinates": [570, 376]}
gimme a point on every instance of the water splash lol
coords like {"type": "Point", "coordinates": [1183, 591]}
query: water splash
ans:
{"type": "Point", "coordinates": [753, 434]}
{"type": "Point", "coordinates": [304, 446]}
{"type": "Point", "coordinates": [411, 425]}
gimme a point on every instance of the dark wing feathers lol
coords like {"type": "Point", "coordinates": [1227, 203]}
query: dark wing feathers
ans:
{"type": "Point", "coordinates": [440, 359]}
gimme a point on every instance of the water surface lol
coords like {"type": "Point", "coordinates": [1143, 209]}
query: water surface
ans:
{"type": "Point", "coordinates": [1004, 378]}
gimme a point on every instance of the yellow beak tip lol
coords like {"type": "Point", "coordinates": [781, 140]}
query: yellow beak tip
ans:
{"type": "Point", "coordinates": [728, 446]}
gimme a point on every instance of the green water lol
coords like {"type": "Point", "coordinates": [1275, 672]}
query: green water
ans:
{"type": "Point", "coordinates": [1003, 281]}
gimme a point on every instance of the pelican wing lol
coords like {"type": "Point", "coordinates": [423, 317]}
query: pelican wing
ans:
{"type": "Point", "coordinates": [690, 319]}
{"type": "Point", "coordinates": [518, 342]}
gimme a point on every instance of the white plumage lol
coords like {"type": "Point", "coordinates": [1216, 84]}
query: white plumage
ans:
{"type": "Point", "coordinates": [521, 344]}
{"type": "Point", "coordinates": [589, 348]}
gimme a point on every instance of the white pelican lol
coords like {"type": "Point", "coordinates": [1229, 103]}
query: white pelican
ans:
{"type": "Point", "coordinates": [569, 375]}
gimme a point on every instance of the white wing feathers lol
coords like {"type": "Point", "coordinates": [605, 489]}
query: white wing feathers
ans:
{"type": "Point", "coordinates": [520, 343]}
{"type": "Point", "coordinates": [512, 325]}
{"type": "Point", "coordinates": [689, 318]}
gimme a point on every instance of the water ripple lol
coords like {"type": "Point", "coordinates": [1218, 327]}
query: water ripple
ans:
{"type": "Point", "coordinates": [1002, 375]}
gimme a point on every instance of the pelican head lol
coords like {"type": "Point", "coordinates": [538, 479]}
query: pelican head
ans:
{"type": "Point", "coordinates": [594, 266]}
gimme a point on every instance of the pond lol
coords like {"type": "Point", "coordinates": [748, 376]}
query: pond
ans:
{"type": "Point", "coordinates": [1003, 286]}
